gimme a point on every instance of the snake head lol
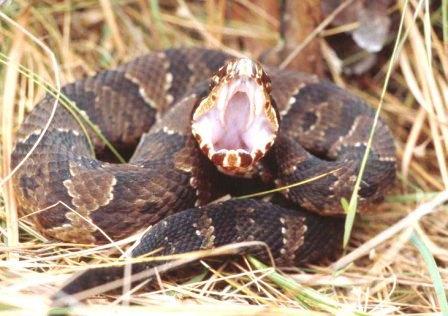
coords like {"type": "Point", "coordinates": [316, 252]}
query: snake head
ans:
{"type": "Point", "coordinates": [236, 123]}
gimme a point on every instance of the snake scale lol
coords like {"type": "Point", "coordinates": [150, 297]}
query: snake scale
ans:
{"type": "Point", "coordinates": [274, 128]}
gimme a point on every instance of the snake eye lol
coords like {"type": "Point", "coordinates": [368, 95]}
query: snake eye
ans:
{"type": "Point", "coordinates": [236, 121]}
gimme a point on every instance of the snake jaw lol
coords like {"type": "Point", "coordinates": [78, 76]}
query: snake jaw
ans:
{"type": "Point", "coordinates": [236, 123]}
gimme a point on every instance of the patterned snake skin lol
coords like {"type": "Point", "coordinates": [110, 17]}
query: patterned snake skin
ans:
{"type": "Point", "coordinates": [168, 181]}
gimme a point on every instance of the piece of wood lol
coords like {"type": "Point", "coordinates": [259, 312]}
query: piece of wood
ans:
{"type": "Point", "coordinates": [293, 20]}
{"type": "Point", "coordinates": [299, 19]}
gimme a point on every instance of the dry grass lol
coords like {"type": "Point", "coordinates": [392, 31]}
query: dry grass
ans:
{"type": "Point", "coordinates": [388, 267]}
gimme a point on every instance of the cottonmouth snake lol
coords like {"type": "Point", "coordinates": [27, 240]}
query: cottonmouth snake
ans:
{"type": "Point", "coordinates": [169, 180]}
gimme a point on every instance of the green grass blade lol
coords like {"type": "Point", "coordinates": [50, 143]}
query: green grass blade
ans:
{"type": "Point", "coordinates": [308, 297]}
{"type": "Point", "coordinates": [433, 271]}
{"type": "Point", "coordinates": [445, 21]}
{"type": "Point", "coordinates": [286, 187]}
{"type": "Point", "coordinates": [353, 204]}
{"type": "Point", "coordinates": [419, 196]}
{"type": "Point", "coordinates": [156, 15]}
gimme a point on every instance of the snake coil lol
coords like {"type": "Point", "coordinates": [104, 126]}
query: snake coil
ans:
{"type": "Point", "coordinates": [168, 182]}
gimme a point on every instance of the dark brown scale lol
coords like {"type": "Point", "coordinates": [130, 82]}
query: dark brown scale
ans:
{"type": "Point", "coordinates": [322, 128]}
{"type": "Point", "coordinates": [258, 154]}
{"type": "Point", "coordinates": [218, 159]}
{"type": "Point", "coordinates": [246, 159]}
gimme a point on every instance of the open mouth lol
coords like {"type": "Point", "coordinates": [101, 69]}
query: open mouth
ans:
{"type": "Point", "coordinates": [238, 127]}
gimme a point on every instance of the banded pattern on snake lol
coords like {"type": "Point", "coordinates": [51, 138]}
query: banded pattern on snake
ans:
{"type": "Point", "coordinates": [204, 125]}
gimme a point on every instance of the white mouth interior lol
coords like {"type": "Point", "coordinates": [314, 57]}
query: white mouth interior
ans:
{"type": "Point", "coordinates": [238, 120]}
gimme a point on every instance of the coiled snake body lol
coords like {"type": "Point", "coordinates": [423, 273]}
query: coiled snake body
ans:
{"type": "Point", "coordinates": [169, 180]}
